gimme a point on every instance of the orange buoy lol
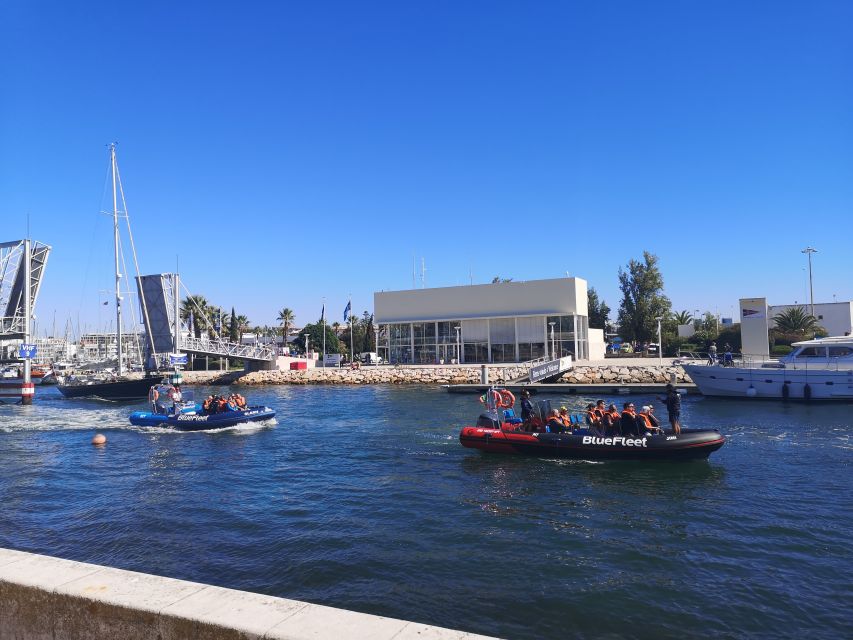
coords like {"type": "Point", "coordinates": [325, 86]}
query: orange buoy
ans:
{"type": "Point", "coordinates": [99, 439]}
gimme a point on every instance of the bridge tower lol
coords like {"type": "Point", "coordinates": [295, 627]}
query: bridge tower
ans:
{"type": "Point", "coordinates": [22, 264]}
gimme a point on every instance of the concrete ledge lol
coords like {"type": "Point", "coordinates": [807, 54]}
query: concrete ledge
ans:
{"type": "Point", "coordinates": [50, 598]}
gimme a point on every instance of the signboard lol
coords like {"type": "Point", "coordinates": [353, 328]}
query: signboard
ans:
{"type": "Point", "coordinates": [539, 372]}
{"type": "Point", "coordinates": [333, 360]}
{"type": "Point", "coordinates": [177, 358]}
{"type": "Point", "coordinates": [27, 351]}
{"type": "Point", "coordinates": [754, 326]}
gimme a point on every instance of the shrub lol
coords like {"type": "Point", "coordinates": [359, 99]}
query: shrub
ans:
{"type": "Point", "coordinates": [781, 350]}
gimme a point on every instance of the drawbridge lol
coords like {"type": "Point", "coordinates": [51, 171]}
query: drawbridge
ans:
{"type": "Point", "coordinates": [19, 281]}
{"type": "Point", "coordinates": [160, 297]}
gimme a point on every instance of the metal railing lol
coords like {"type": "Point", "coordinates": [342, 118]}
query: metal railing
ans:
{"type": "Point", "coordinates": [227, 349]}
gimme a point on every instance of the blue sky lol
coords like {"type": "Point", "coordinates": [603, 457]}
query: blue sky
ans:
{"type": "Point", "coordinates": [289, 151]}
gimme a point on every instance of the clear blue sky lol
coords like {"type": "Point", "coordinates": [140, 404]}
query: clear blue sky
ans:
{"type": "Point", "coordinates": [289, 151]}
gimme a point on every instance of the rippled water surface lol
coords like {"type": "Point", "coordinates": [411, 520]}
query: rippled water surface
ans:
{"type": "Point", "coordinates": [363, 498]}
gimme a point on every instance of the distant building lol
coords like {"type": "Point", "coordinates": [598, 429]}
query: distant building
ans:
{"type": "Point", "coordinates": [500, 322]}
{"type": "Point", "coordinates": [835, 317]}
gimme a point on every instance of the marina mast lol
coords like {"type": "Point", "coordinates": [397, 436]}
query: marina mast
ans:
{"type": "Point", "coordinates": [118, 272]}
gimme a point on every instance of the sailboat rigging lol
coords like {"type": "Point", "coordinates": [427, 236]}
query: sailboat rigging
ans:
{"type": "Point", "coordinates": [120, 386]}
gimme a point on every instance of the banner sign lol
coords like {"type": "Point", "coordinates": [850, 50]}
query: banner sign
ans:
{"type": "Point", "coordinates": [177, 358]}
{"type": "Point", "coordinates": [547, 369]}
{"type": "Point", "coordinates": [27, 351]}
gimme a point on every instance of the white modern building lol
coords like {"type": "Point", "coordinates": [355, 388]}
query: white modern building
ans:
{"type": "Point", "coordinates": [835, 317]}
{"type": "Point", "coordinates": [500, 322]}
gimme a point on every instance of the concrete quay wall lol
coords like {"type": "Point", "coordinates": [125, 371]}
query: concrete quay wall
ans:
{"type": "Point", "coordinates": [462, 375]}
{"type": "Point", "coordinates": [45, 598]}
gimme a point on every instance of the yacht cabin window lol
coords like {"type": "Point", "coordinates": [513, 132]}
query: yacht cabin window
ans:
{"type": "Point", "coordinates": [840, 352]}
{"type": "Point", "coordinates": [812, 352]}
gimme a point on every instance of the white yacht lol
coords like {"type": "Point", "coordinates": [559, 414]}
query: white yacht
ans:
{"type": "Point", "coordinates": [819, 369]}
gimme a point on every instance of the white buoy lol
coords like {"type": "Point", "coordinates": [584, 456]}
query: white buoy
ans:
{"type": "Point", "coordinates": [751, 392]}
{"type": "Point", "coordinates": [99, 439]}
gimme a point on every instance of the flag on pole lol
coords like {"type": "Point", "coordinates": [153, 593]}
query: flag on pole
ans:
{"type": "Point", "coordinates": [323, 313]}
{"type": "Point", "coordinates": [347, 310]}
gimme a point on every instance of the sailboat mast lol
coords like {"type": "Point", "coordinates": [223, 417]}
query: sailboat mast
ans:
{"type": "Point", "coordinates": [118, 272]}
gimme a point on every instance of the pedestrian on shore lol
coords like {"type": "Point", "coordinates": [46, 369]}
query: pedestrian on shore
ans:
{"type": "Point", "coordinates": [673, 408]}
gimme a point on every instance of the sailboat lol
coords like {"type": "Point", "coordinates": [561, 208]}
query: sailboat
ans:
{"type": "Point", "coordinates": [116, 386]}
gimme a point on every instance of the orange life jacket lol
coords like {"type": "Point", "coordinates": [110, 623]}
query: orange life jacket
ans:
{"type": "Point", "coordinates": [646, 421]}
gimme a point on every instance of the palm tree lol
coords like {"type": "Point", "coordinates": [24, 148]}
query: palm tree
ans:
{"type": "Point", "coordinates": [336, 327]}
{"type": "Point", "coordinates": [199, 308]}
{"type": "Point", "coordinates": [242, 326]}
{"type": "Point", "coordinates": [796, 320]}
{"type": "Point", "coordinates": [683, 317]}
{"type": "Point", "coordinates": [285, 319]}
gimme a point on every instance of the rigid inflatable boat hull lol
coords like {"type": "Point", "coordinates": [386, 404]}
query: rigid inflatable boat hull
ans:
{"type": "Point", "coordinates": [690, 444]}
{"type": "Point", "coordinates": [200, 421]}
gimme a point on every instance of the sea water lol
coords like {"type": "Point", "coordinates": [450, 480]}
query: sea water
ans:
{"type": "Point", "coordinates": [363, 498]}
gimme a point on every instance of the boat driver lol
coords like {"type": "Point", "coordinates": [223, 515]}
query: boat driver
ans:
{"type": "Point", "coordinates": [526, 406]}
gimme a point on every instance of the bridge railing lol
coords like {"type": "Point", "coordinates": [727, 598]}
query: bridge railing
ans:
{"type": "Point", "coordinates": [11, 325]}
{"type": "Point", "coordinates": [227, 349]}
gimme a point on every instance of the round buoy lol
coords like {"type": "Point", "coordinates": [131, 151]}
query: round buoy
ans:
{"type": "Point", "coordinates": [99, 439]}
{"type": "Point", "coordinates": [751, 392]}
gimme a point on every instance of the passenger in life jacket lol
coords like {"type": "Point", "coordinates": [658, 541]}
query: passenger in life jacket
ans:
{"type": "Point", "coordinates": [221, 404]}
{"type": "Point", "coordinates": [610, 421]}
{"type": "Point", "coordinates": [240, 400]}
{"type": "Point", "coordinates": [564, 417]}
{"type": "Point", "coordinates": [600, 410]}
{"type": "Point", "coordinates": [207, 404]}
{"type": "Point", "coordinates": [555, 425]}
{"type": "Point", "coordinates": [592, 417]}
{"type": "Point", "coordinates": [628, 420]}
{"type": "Point", "coordinates": [647, 423]}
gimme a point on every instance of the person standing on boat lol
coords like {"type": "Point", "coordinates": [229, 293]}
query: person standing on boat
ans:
{"type": "Point", "coordinates": [712, 353]}
{"type": "Point", "coordinates": [673, 408]}
{"type": "Point", "coordinates": [526, 407]}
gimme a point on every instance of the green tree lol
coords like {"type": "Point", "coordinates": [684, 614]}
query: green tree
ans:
{"type": "Point", "coordinates": [243, 325]}
{"type": "Point", "coordinates": [683, 317]}
{"type": "Point", "coordinates": [369, 343]}
{"type": "Point", "coordinates": [199, 308]}
{"type": "Point", "coordinates": [598, 311]}
{"type": "Point", "coordinates": [233, 333]}
{"type": "Point", "coordinates": [642, 299]}
{"type": "Point", "coordinates": [498, 279]}
{"type": "Point", "coordinates": [285, 321]}
{"type": "Point", "coordinates": [796, 321]}
{"type": "Point", "coordinates": [315, 335]}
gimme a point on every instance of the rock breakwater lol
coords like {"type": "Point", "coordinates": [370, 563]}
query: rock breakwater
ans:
{"type": "Point", "coordinates": [449, 375]}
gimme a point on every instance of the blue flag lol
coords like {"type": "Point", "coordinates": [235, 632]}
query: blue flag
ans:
{"type": "Point", "coordinates": [347, 311]}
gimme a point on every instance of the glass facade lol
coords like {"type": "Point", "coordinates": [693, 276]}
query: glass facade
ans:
{"type": "Point", "coordinates": [475, 341]}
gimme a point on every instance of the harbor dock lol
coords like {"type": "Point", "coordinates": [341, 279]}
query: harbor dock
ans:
{"type": "Point", "coordinates": [46, 597]}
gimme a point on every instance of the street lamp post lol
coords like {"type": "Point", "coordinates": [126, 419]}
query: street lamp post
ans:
{"type": "Point", "coordinates": [307, 342]}
{"type": "Point", "coordinates": [553, 347]}
{"type": "Point", "coordinates": [458, 352]}
{"type": "Point", "coordinates": [809, 251]}
{"type": "Point", "coordinates": [660, 343]}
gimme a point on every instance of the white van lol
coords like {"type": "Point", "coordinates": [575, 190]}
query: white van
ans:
{"type": "Point", "coordinates": [371, 357]}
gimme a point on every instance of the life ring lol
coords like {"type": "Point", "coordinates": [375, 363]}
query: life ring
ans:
{"type": "Point", "coordinates": [495, 396]}
{"type": "Point", "coordinates": [507, 399]}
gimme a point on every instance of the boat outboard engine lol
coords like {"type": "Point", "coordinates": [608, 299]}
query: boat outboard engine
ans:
{"type": "Point", "coordinates": [489, 420]}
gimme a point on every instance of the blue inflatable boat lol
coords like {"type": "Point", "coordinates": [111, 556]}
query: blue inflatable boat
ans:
{"type": "Point", "coordinates": [184, 414]}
